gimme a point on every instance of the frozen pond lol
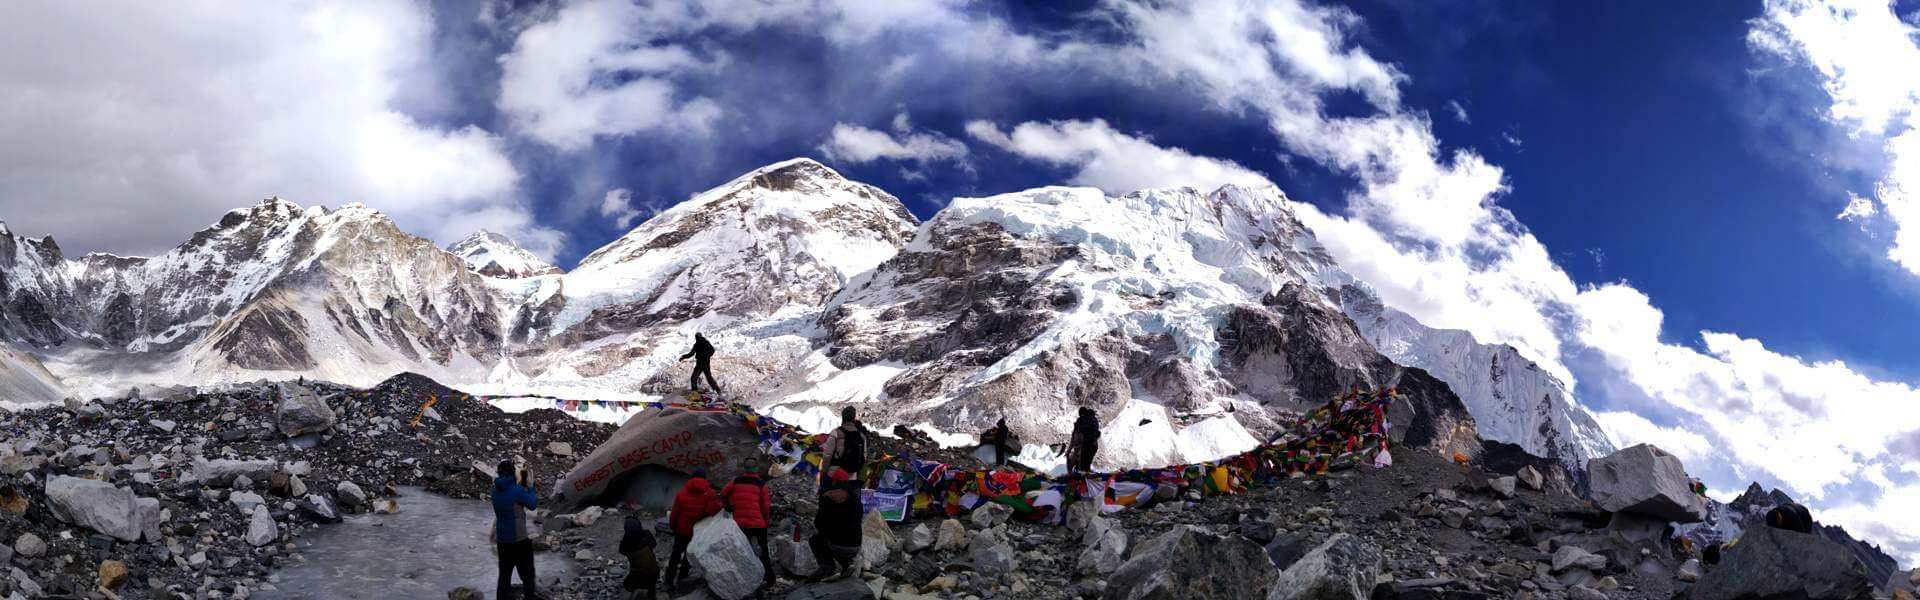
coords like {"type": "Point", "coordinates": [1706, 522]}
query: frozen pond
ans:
{"type": "Point", "coordinates": [433, 545]}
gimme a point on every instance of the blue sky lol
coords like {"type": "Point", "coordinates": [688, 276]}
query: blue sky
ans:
{"type": "Point", "coordinates": [1646, 197]}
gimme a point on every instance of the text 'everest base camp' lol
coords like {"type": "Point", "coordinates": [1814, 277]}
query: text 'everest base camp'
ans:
{"type": "Point", "coordinates": [1054, 393]}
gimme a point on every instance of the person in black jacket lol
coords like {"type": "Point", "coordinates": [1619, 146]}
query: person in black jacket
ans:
{"type": "Point", "coordinates": [1084, 443]}
{"type": "Point", "coordinates": [702, 355]}
{"type": "Point", "coordinates": [836, 537]}
{"type": "Point", "coordinates": [643, 562]}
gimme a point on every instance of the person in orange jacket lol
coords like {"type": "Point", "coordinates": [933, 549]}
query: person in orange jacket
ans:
{"type": "Point", "coordinates": [695, 501]}
{"type": "Point", "coordinates": [747, 498]}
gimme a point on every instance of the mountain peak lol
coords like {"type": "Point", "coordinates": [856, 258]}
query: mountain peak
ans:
{"type": "Point", "coordinates": [495, 255]}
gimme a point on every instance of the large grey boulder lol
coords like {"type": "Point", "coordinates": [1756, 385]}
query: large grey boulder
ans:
{"type": "Point", "coordinates": [1776, 563]}
{"type": "Point", "coordinates": [1103, 548]}
{"type": "Point", "coordinates": [793, 558]}
{"type": "Point", "coordinates": [722, 552]}
{"type": "Point", "coordinates": [1191, 563]}
{"type": "Point", "coordinates": [262, 530]}
{"type": "Point", "coordinates": [1645, 480]}
{"type": "Point", "coordinates": [301, 411]}
{"type": "Point", "coordinates": [669, 438]}
{"type": "Point", "coordinates": [1342, 568]}
{"type": "Point", "coordinates": [95, 505]}
{"type": "Point", "coordinates": [223, 471]}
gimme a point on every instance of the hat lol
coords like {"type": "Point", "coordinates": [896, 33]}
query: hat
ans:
{"type": "Point", "coordinates": [838, 475]}
{"type": "Point", "coordinates": [700, 472]}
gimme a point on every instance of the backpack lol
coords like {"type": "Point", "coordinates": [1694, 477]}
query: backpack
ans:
{"type": "Point", "coordinates": [1791, 517]}
{"type": "Point", "coordinates": [853, 448]}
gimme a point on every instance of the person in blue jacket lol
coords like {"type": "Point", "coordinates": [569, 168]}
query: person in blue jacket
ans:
{"type": "Point", "coordinates": [512, 497]}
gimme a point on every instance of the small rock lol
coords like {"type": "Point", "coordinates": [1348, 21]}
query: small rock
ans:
{"type": "Point", "coordinates": [113, 574]}
{"type": "Point", "coordinates": [587, 516]}
{"type": "Point", "coordinates": [30, 545]}
{"type": "Point", "coordinates": [560, 448]}
{"type": "Point", "coordinates": [1531, 477]}
{"type": "Point", "coordinates": [1571, 556]}
{"type": "Point", "coordinates": [991, 514]}
{"type": "Point", "coordinates": [465, 593]}
{"type": "Point", "coordinates": [1504, 486]}
{"type": "Point", "coordinates": [350, 495]}
{"type": "Point", "coordinates": [163, 425]}
{"type": "Point", "coordinates": [262, 530]}
{"type": "Point", "coordinates": [1581, 592]}
{"type": "Point", "coordinates": [242, 483]}
{"type": "Point", "coordinates": [953, 536]}
{"type": "Point", "coordinates": [1690, 570]}
{"type": "Point", "coordinates": [920, 538]}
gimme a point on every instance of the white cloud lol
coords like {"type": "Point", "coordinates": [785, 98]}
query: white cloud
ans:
{"type": "Point", "coordinates": [146, 122]}
{"type": "Point", "coordinates": [1110, 160]}
{"type": "Point", "coordinates": [618, 205]}
{"type": "Point", "coordinates": [1858, 209]}
{"type": "Point", "coordinates": [582, 75]}
{"type": "Point", "coordinates": [1459, 112]}
{"type": "Point", "coordinates": [1628, 429]}
{"type": "Point", "coordinates": [856, 144]}
{"type": "Point", "coordinates": [1864, 56]}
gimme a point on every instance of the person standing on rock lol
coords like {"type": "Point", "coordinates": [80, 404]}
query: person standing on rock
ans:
{"type": "Point", "coordinates": [702, 355]}
{"type": "Point", "coordinates": [695, 501]}
{"type": "Point", "coordinates": [746, 497]}
{"type": "Point", "coordinates": [512, 497]}
{"type": "Point", "coordinates": [847, 446]}
{"type": "Point", "coordinates": [836, 526]}
{"type": "Point", "coordinates": [1000, 438]}
{"type": "Point", "coordinates": [1084, 443]}
{"type": "Point", "coordinates": [643, 566]}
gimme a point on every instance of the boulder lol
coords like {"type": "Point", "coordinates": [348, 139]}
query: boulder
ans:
{"type": "Point", "coordinates": [262, 530]}
{"type": "Point", "coordinates": [301, 411]}
{"type": "Point", "coordinates": [1645, 480]}
{"type": "Point", "coordinates": [586, 517]}
{"type": "Point", "coordinates": [990, 514]}
{"type": "Point", "coordinates": [350, 495]}
{"type": "Point", "coordinates": [722, 552]}
{"type": "Point", "coordinates": [793, 558]}
{"type": "Point", "coordinates": [874, 527]}
{"type": "Point", "coordinates": [1190, 562]}
{"type": "Point", "coordinates": [1690, 570]}
{"type": "Point", "coordinates": [992, 555]}
{"type": "Point", "coordinates": [873, 553]}
{"type": "Point", "coordinates": [151, 516]}
{"type": "Point", "coordinates": [1342, 568]}
{"type": "Point", "coordinates": [850, 588]}
{"type": "Point", "coordinates": [671, 438]}
{"type": "Point", "coordinates": [245, 501]}
{"type": "Point", "coordinates": [29, 545]}
{"type": "Point", "coordinates": [920, 538]}
{"type": "Point", "coordinates": [112, 574]}
{"type": "Point", "coordinates": [1571, 556]}
{"type": "Point", "coordinates": [1103, 548]}
{"type": "Point", "coordinates": [953, 536]}
{"type": "Point", "coordinates": [220, 472]}
{"type": "Point", "coordinates": [96, 505]}
{"type": "Point", "coordinates": [560, 449]}
{"type": "Point", "coordinates": [1287, 548]}
{"type": "Point", "coordinates": [320, 508]}
{"type": "Point", "coordinates": [1776, 563]}
{"type": "Point", "coordinates": [1504, 487]}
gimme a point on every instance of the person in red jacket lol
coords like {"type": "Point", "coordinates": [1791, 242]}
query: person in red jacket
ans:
{"type": "Point", "coordinates": [747, 498]}
{"type": "Point", "coordinates": [695, 501]}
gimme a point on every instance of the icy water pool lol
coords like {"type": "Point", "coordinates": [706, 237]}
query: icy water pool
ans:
{"type": "Point", "coordinates": [432, 545]}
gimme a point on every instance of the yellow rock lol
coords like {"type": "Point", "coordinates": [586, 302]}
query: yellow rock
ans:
{"type": "Point", "coordinates": [113, 574]}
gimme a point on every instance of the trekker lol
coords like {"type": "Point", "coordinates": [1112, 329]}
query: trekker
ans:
{"type": "Point", "coordinates": [1000, 438]}
{"type": "Point", "coordinates": [836, 526]}
{"type": "Point", "coordinates": [695, 501]}
{"type": "Point", "coordinates": [847, 445]}
{"type": "Point", "coordinates": [643, 566]}
{"type": "Point", "coordinates": [1084, 443]}
{"type": "Point", "coordinates": [746, 497]}
{"type": "Point", "coordinates": [512, 497]}
{"type": "Point", "coordinates": [702, 355]}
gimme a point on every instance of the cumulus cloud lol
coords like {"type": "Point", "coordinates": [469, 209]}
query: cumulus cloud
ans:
{"type": "Point", "coordinates": [146, 122]}
{"type": "Point", "coordinates": [1628, 429]}
{"type": "Point", "coordinates": [856, 144]}
{"type": "Point", "coordinates": [618, 205]}
{"type": "Point", "coordinates": [1115, 162]}
{"type": "Point", "coordinates": [1863, 54]}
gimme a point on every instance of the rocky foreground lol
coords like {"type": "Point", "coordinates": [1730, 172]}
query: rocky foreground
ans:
{"type": "Point", "coordinates": [202, 495]}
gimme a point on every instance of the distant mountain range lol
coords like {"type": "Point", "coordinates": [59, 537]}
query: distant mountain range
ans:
{"type": "Point", "coordinates": [1188, 318]}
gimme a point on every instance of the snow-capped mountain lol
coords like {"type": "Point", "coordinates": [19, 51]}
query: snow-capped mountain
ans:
{"type": "Point", "coordinates": [1190, 319]}
{"type": "Point", "coordinates": [1183, 318]}
{"type": "Point", "coordinates": [1512, 399]}
{"type": "Point", "coordinates": [495, 255]}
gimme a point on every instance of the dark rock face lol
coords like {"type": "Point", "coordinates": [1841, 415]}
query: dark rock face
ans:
{"type": "Point", "coordinates": [1188, 562]}
{"type": "Point", "coordinates": [1728, 521]}
{"type": "Point", "coordinates": [1776, 563]}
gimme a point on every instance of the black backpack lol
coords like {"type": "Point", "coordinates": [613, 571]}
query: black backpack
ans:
{"type": "Point", "coordinates": [853, 447]}
{"type": "Point", "coordinates": [1791, 517]}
